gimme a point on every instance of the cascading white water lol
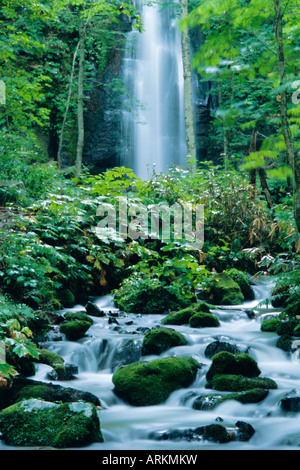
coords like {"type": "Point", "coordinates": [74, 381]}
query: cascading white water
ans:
{"type": "Point", "coordinates": [153, 132]}
{"type": "Point", "coordinates": [126, 427]}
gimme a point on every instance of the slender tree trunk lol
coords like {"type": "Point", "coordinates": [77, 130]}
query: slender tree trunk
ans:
{"type": "Point", "coordinates": [293, 159]}
{"type": "Point", "coordinates": [61, 135]}
{"type": "Point", "coordinates": [226, 135]}
{"type": "Point", "coordinates": [265, 187]}
{"type": "Point", "coordinates": [252, 175]}
{"type": "Point", "coordinates": [80, 116]}
{"type": "Point", "coordinates": [261, 173]}
{"type": "Point", "coordinates": [188, 91]}
{"type": "Point", "coordinates": [226, 148]}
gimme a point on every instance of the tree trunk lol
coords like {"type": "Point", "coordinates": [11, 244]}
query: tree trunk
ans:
{"type": "Point", "coordinates": [292, 158]}
{"type": "Point", "coordinates": [252, 175]}
{"type": "Point", "coordinates": [61, 135]}
{"type": "Point", "coordinates": [188, 91]}
{"type": "Point", "coordinates": [265, 187]}
{"type": "Point", "coordinates": [226, 134]}
{"type": "Point", "coordinates": [80, 117]}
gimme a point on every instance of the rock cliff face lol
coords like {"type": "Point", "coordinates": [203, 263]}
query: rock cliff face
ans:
{"type": "Point", "coordinates": [203, 101]}
{"type": "Point", "coordinates": [102, 121]}
{"type": "Point", "coordinates": [103, 112]}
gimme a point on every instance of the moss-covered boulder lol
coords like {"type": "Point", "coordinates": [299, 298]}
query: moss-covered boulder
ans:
{"type": "Point", "coordinates": [242, 280]}
{"type": "Point", "coordinates": [75, 330]}
{"type": "Point", "coordinates": [270, 325]}
{"type": "Point", "coordinates": [93, 310]}
{"type": "Point", "coordinates": [203, 320]}
{"type": "Point", "coordinates": [217, 346]}
{"type": "Point", "coordinates": [54, 360]}
{"type": "Point", "coordinates": [285, 343]}
{"type": "Point", "coordinates": [66, 298]}
{"type": "Point", "coordinates": [214, 433]}
{"type": "Point", "coordinates": [23, 388]}
{"type": "Point", "coordinates": [235, 364]}
{"type": "Point", "coordinates": [160, 339]}
{"type": "Point", "coordinates": [208, 402]}
{"type": "Point", "coordinates": [82, 316]}
{"type": "Point", "coordinates": [182, 317]}
{"type": "Point", "coordinates": [35, 422]}
{"type": "Point", "coordinates": [223, 290]}
{"type": "Point", "coordinates": [151, 383]}
{"type": "Point", "coordinates": [288, 327]}
{"type": "Point", "coordinates": [239, 383]}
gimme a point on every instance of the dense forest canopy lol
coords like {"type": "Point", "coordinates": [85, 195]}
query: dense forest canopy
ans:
{"type": "Point", "coordinates": [52, 54]}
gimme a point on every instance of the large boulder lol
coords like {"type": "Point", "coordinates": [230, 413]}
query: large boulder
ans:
{"type": "Point", "coordinates": [239, 383]}
{"type": "Point", "coordinates": [204, 320]}
{"type": "Point", "coordinates": [208, 402]}
{"type": "Point", "coordinates": [74, 330]}
{"type": "Point", "coordinates": [235, 373]}
{"type": "Point", "coordinates": [223, 290]}
{"type": "Point", "coordinates": [35, 422]}
{"type": "Point", "coordinates": [23, 388]}
{"type": "Point", "coordinates": [182, 317]}
{"type": "Point", "coordinates": [151, 383]}
{"type": "Point", "coordinates": [218, 346]}
{"type": "Point", "coordinates": [160, 339]}
{"type": "Point", "coordinates": [242, 280]}
{"type": "Point", "coordinates": [225, 362]}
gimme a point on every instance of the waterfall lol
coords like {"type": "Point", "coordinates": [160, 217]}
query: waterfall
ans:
{"type": "Point", "coordinates": [152, 128]}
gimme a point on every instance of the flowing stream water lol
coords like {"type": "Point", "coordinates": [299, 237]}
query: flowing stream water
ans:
{"type": "Point", "coordinates": [99, 353]}
{"type": "Point", "coordinates": [153, 132]}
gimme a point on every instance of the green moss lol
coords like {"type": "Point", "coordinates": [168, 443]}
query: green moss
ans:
{"type": "Point", "coordinates": [241, 279]}
{"type": "Point", "coordinates": [216, 433]}
{"type": "Point", "coordinates": [284, 343]}
{"type": "Point", "coordinates": [270, 325]}
{"type": "Point", "coordinates": [160, 339]}
{"type": "Point", "coordinates": [202, 320]}
{"type": "Point", "coordinates": [54, 360]}
{"type": "Point", "coordinates": [72, 316]}
{"type": "Point", "coordinates": [37, 423]}
{"type": "Point", "coordinates": [182, 317]}
{"type": "Point", "coordinates": [238, 383]}
{"type": "Point", "coordinates": [75, 330]}
{"type": "Point", "coordinates": [248, 396]}
{"type": "Point", "coordinates": [66, 298]}
{"type": "Point", "coordinates": [151, 383]}
{"type": "Point", "coordinates": [27, 388]}
{"type": "Point", "coordinates": [225, 362]}
{"type": "Point", "coordinates": [286, 327]}
{"type": "Point", "coordinates": [224, 290]}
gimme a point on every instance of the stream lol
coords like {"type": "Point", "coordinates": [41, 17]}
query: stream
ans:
{"type": "Point", "coordinates": [125, 427]}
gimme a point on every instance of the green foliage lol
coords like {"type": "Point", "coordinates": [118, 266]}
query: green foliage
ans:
{"type": "Point", "coordinates": [15, 335]}
{"type": "Point", "coordinates": [146, 294]}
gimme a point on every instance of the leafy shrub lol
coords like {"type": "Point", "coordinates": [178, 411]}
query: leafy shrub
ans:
{"type": "Point", "coordinates": [145, 294]}
{"type": "Point", "coordinates": [15, 336]}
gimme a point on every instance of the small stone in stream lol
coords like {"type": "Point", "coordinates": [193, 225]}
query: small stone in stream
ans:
{"type": "Point", "coordinates": [245, 431]}
{"type": "Point", "coordinates": [291, 403]}
{"type": "Point", "coordinates": [112, 320]}
{"type": "Point", "coordinates": [70, 373]}
{"type": "Point", "coordinates": [93, 310]}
